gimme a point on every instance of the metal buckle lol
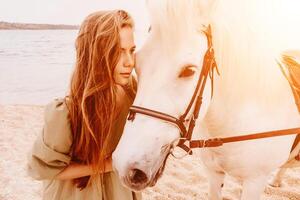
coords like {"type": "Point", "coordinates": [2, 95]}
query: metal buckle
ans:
{"type": "Point", "coordinates": [131, 116]}
{"type": "Point", "coordinates": [181, 153]}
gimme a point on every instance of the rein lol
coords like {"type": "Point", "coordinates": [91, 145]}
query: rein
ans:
{"type": "Point", "coordinates": [215, 142]}
{"type": "Point", "coordinates": [209, 64]}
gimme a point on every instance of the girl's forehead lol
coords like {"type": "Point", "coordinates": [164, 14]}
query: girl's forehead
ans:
{"type": "Point", "coordinates": [126, 37]}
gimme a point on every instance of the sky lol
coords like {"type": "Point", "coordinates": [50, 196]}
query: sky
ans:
{"type": "Point", "coordinates": [67, 11]}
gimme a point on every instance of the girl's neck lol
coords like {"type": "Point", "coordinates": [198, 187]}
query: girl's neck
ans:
{"type": "Point", "coordinates": [120, 95]}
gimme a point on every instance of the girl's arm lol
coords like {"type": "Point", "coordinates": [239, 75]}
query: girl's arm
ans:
{"type": "Point", "coordinates": [75, 170]}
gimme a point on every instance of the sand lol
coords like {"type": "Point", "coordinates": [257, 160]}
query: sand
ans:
{"type": "Point", "coordinates": [182, 180]}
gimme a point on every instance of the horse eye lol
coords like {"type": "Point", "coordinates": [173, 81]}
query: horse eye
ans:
{"type": "Point", "coordinates": [187, 71]}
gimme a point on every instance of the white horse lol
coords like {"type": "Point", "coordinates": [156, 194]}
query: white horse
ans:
{"type": "Point", "coordinates": [251, 94]}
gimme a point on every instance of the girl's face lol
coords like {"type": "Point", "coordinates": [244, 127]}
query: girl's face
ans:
{"type": "Point", "coordinates": [125, 65]}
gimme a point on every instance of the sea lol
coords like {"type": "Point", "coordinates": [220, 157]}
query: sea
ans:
{"type": "Point", "coordinates": [36, 65]}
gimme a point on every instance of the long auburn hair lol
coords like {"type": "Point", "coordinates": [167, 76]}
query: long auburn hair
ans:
{"type": "Point", "coordinates": [92, 99]}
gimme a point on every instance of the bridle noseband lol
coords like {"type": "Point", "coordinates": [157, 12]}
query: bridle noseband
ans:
{"type": "Point", "coordinates": [208, 66]}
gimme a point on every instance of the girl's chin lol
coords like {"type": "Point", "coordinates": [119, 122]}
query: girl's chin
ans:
{"type": "Point", "coordinates": [123, 82]}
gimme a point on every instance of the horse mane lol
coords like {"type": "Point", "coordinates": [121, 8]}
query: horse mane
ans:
{"type": "Point", "coordinates": [172, 21]}
{"type": "Point", "coordinates": [248, 37]}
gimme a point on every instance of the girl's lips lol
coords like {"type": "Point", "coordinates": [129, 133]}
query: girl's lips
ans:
{"type": "Point", "coordinates": [125, 74]}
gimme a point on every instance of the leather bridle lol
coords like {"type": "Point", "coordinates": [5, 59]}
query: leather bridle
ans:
{"type": "Point", "coordinates": [209, 64]}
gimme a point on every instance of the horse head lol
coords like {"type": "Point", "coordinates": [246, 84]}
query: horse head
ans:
{"type": "Point", "coordinates": [168, 68]}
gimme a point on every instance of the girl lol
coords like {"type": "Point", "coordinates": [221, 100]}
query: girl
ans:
{"type": "Point", "coordinates": [73, 154]}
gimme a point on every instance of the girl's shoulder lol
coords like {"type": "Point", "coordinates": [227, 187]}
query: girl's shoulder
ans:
{"type": "Point", "coordinates": [57, 107]}
{"type": "Point", "coordinates": [57, 128]}
{"type": "Point", "coordinates": [56, 112]}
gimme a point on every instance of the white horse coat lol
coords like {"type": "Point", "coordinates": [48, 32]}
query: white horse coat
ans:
{"type": "Point", "coordinates": [251, 95]}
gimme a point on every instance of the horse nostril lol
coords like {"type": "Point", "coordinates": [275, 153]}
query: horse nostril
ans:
{"type": "Point", "coordinates": [137, 176]}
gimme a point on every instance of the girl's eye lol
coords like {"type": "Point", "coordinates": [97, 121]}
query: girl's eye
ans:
{"type": "Point", "coordinates": [187, 71]}
{"type": "Point", "coordinates": [132, 51]}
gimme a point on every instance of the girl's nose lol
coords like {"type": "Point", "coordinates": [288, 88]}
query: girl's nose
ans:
{"type": "Point", "coordinates": [129, 60]}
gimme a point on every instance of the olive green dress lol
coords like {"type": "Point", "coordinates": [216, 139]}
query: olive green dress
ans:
{"type": "Point", "coordinates": [51, 154]}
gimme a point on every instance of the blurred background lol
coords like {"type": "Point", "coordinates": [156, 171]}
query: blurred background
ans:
{"type": "Point", "coordinates": [36, 65]}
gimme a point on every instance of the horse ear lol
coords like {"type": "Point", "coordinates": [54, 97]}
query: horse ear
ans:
{"type": "Point", "coordinates": [204, 9]}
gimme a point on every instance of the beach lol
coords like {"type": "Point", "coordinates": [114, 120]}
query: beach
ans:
{"type": "Point", "coordinates": [183, 179]}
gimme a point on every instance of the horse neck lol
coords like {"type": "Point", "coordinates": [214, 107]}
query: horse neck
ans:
{"type": "Point", "coordinates": [249, 74]}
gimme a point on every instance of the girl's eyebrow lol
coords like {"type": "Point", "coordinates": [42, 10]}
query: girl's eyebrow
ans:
{"type": "Point", "coordinates": [130, 48]}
